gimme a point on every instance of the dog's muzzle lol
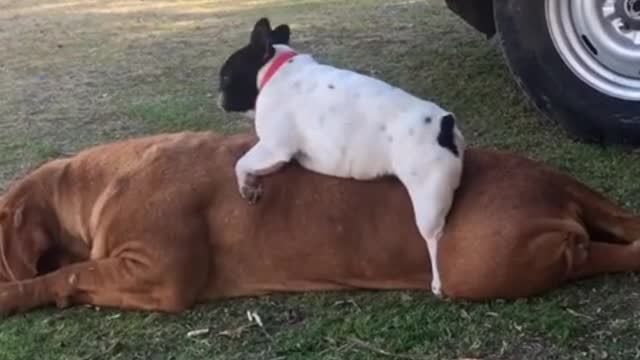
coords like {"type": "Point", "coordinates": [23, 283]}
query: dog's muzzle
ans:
{"type": "Point", "coordinates": [220, 102]}
{"type": "Point", "coordinates": [250, 114]}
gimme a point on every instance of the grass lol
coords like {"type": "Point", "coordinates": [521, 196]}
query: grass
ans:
{"type": "Point", "coordinates": [77, 73]}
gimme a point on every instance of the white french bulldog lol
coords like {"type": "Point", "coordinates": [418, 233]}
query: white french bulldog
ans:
{"type": "Point", "coordinates": [341, 123]}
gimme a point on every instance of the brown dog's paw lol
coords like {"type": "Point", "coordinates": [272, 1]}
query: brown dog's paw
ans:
{"type": "Point", "coordinates": [251, 190]}
{"type": "Point", "coordinates": [9, 301]}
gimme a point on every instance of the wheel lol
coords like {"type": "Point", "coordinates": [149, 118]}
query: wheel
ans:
{"type": "Point", "coordinates": [578, 61]}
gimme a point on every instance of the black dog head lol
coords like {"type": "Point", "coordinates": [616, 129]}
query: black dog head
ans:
{"type": "Point", "coordinates": [239, 73]}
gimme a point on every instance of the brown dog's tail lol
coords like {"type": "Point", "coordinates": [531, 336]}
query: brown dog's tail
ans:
{"type": "Point", "coordinates": [605, 220]}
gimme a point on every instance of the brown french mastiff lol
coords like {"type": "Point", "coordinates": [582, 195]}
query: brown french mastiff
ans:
{"type": "Point", "coordinates": [157, 224]}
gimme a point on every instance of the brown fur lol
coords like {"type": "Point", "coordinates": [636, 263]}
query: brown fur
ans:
{"type": "Point", "coordinates": [157, 224]}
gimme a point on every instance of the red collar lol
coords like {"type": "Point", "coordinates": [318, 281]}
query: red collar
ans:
{"type": "Point", "coordinates": [276, 64]}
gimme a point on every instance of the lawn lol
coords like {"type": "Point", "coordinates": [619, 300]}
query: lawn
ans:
{"type": "Point", "coordinates": [75, 73]}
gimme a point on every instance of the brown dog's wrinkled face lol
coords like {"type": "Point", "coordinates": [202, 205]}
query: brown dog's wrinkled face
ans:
{"type": "Point", "coordinates": [22, 242]}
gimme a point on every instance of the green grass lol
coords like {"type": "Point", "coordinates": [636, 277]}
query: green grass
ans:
{"type": "Point", "coordinates": [173, 114]}
{"type": "Point", "coordinates": [150, 69]}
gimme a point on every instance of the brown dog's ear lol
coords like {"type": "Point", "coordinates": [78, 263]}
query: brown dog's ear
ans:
{"type": "Point", "coordinates": [27, 240]}
{"type": "Point", "coordinates": [18, 216]}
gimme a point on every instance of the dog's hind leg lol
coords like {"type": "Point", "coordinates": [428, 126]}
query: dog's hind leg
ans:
{"type": "Point", "coordinates": [608, 258]}
{"type": "Point", "coordinates": [431, 197]}
{"type": "Point", "coordinates": [604, 219]}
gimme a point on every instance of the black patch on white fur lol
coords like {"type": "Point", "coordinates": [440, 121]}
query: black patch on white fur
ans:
{"type": "Point", "coordinates": [447, 134]}
{"type": "Point", "coordinates": [239, 73]}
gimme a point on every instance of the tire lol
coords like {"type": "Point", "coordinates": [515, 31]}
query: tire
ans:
{"type": "Point", "coordinates": [586, 105]}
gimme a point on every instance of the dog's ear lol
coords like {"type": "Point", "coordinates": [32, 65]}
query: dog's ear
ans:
{"type": "Point", "coordinates": [28, 240]}
{"type": "Point", "coordinates": [261, 38]}
{"type": "Point", "coordinates": [18, 216]}
{"type": "Point", "coordinates": [281, 34]}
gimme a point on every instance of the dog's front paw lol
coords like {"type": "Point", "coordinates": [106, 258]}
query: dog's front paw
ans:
{"type": "Point", "coordinates": [251, 193]}
{"type": "Point", "coordinates": [9, 299]}
{"type": "Point", "coordinates": [251, 189]}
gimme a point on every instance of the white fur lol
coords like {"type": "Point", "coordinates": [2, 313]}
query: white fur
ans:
{"type": "Point", "coordinates": [345, 124]}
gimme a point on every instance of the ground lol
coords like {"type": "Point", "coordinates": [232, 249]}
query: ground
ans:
{"type": "Point", "coordinates": [75, 73]}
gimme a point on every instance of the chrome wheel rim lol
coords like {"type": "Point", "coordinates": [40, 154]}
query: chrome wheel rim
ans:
{"type": "Point", "coordinates": [599, 40]}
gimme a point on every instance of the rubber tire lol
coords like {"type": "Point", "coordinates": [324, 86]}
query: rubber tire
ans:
{"type": "Point", "coordinates": [551, 85]}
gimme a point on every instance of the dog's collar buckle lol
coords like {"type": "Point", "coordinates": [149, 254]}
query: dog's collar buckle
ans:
{"type": "Point", "coordinates": [277, 63]}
